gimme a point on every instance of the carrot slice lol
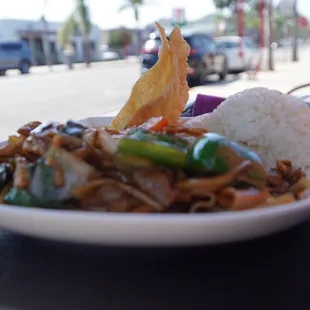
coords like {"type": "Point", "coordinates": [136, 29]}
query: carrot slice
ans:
{"type": "Point", "coordinates": [155, 124]}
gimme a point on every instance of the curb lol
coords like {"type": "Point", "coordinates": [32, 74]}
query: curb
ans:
{"type": "Point", "coordinates": [81, 65]}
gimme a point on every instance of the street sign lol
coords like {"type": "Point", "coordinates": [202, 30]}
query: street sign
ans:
{"type": "Point", "coordinates": [178, 17]}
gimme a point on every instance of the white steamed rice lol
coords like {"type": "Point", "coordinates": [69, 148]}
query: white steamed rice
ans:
{"type": "Point", "coordinates": [276, 125]}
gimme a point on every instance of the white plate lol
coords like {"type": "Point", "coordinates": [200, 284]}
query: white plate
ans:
{"type": "Point", "coordinates": [151, 229]}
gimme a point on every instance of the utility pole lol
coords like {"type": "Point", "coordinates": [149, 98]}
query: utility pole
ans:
{"type": "Point", "coordinates": [240, 12]}
{"type": "Point", "coordinates": [295, 32]}
{"type": "Point", "coordinates": [46, 42]}
{"type": "Point", "coordinates": [270, 41]}
{"type": "Point", "coordinates": [137, 18]}
{"type": "Point", "coordinates": [261, 13]}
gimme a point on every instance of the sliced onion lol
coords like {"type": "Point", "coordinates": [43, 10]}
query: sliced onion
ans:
{"type": "Point", "coordinates": [107, 142]}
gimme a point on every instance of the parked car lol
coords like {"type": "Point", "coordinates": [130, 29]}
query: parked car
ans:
{"type": "Point", "coordinates": [15, 55]}
{"type": "Point", "coordinates": [238, 59]}
{"type": "Point", "coordinates": [204, 59]}
{"type": "Point", "coordinates": [111, 55]}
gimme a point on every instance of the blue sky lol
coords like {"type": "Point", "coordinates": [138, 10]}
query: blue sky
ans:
{"type": "Point", "coordinates": [105, 13]}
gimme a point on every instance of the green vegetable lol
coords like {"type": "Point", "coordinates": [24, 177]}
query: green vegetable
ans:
{"type": "Point", "coordinates": [17, 196]}
{"type": "Point", "coordinates": [75, 171]}
{"type": "Point", "coordinates": [158, 152]}
{"type": "Point", "coordinates": [20, 197]}
{"type": "Point", "coordinates": [140, 134]}
{"type": "Point", "coordinates": [205, 155]}
{"type": "Point", "coordinates": [159, 148]}
{"type": "Point", "coordinates": [42, 184]}
{"type": "Point", "coordinates": [42, 190]}
{"type": "Point", "coordinates": [216, 154]}
{"type": "Point", "coordinates": [129, 164]}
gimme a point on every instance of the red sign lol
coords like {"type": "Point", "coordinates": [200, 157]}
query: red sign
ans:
{"type": "Point", "coordinates": [179, 15]}
{"type": "Point", "coordinates": [303, 22]}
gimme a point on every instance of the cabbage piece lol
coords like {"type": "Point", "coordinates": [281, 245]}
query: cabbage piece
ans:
{"type": "Point", "coordinates": [75, 172]}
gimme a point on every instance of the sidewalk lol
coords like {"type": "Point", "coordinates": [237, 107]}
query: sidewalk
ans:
{"type": "Point", "coordinates": [61, 67]}
{"type": "Point", "coordinates": [77, 66]}
{"type": "Point", "coordinates": [284, 55]}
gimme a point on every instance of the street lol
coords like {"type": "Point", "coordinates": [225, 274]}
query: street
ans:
{"type": "Point", "coordinates": [103, 89]}
{"type": "Point", "coordinates": [64, 94]}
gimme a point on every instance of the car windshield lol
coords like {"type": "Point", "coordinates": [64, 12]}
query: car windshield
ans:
{"type": "Point", "coordinates": [227, 44]}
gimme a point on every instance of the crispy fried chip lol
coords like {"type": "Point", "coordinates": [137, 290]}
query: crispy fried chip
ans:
{"type": "Point", "coordinates": [162, 90]}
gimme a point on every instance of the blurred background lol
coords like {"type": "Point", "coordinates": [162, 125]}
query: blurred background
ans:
{"type": "Point", "coordinates": [72, 58]}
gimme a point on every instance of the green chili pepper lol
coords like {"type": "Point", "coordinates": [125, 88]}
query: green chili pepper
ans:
{"type": "Point", "coordinates": [204, 155]}
{"type": "Point", "coordinates": [158, 152]}
{"type": "Point", "coordinates": [141, 134]}
{"type": "Point", "coordinates": [216, 154]}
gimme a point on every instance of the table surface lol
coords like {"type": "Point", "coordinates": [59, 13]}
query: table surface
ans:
{"type": "Point", "coordinates": [268, 273]}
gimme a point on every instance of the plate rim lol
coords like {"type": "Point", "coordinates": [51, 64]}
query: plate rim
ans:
{"type": "Point", "coordinates": [160, 217]}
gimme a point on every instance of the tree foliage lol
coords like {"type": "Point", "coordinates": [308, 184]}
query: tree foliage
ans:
{"type": "Point", "coordinates": [82, 12]}
{"type": "Point", "coordinates": [222, 4]}
{"type": "Point", "coordinates": [67, 30]}
{"type": "Point", "coordinates": [250, 5]}
{"type": "Point", "coordinates": [133, 5]}
{"type": "Point", "coordinates": [251, 21]}
{"type": "Point", "coordinates": [120, 38]}
{"type": "Point", "coordinates": [78, 21]}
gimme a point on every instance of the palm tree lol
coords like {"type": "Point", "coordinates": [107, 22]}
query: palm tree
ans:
{"type": "Point", "coordinates": [135, 6]}
{"type": "Point", "coordinates": [46, 44]}
{"type": "Point", "coordinates": [78, 21]}
{"type": "Point", "coordinates": [67, 30]}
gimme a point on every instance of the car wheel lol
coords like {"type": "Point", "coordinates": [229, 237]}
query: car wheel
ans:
{"type": "Point", "coordinates": [200, 78]}
{"type": "Point", "coordinates": [223, 73]}
{"type": "Point", "coordinates": [24, 67]}
{"type": "Point", "coordinates": [194, 81]}
{"type": "Point", "coordinates": [2, 73]}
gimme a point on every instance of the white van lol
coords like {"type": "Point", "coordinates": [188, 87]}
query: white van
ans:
{"type": "Point", "coordinates": [15, 55]}
{"type": "Point", "coordinates": [237, 62]}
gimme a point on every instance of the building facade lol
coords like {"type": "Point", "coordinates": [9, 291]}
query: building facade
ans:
{"type": "Point", "coordinates": [42, 36]}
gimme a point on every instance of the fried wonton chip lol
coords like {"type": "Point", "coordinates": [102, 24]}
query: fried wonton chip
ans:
{"type": "Point", "coordinates": [162, 90]}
